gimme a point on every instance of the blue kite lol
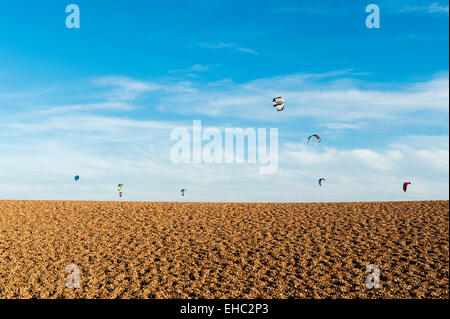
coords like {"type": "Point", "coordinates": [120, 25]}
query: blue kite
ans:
{"type": "Point", "coordinates": [321, 180]}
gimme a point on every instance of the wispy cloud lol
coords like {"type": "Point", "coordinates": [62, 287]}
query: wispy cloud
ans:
{"type": "Point", "coordinates": [337, 99]}
{"type": "Point", "coordinates": [343, 126]}
{"type": "Point", "coordinates": [434, 7]}
{"type": "Point", "coordinates": [200, 67]}
{"type": "Point", "coordinates": [144, 167]}
{"type": "Point", "coordinates": [108, 148]}
{"type": "Point", "coordinates": [126, 88]}
{"type": "Point", "coordinates": [336, 8]}
{"type": "Point", "coordinates": [331, 97]}
{"type": "Point", "coordinates": [366, 171]}
{"type": "Point", "coordinates": [117, 106]}
{"type": "Point", "coordinates": [196, 68]}
{"type": "Point", "coordinates": [219, 45]}
{"type": "Point", "coordinates": [233, 46]}
{"type": "Point", "coordinates": [247, 50]}
{"type": "Point", "coordinates": [89, 123]}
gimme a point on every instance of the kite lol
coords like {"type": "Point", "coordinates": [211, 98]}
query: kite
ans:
{"type": "Point", "coordinates": [76, 178]}
{"type": "Point", "coordinates": [314, 135]}
{"type": "Point", "coordinates": [119, 188]}
{"type": "Point", "coordinates": [182, 191]}
{"type": "Point", "coordinates": [321, 180]}
{"type": "Point", "coordinates": [278, 102]}
{"type": "Point", "coordinates": [405, 186]}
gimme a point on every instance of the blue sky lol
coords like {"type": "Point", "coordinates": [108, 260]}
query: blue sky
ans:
{"type": "Point", "coordinates": [101, 101]}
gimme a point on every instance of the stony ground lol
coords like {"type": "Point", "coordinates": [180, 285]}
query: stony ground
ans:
{"type": "Point", "coordinates": [205, 250]}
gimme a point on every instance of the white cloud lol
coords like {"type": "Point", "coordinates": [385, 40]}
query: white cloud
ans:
{"type": "Point", "coordinates": [45, 148]}
{"type": "Point", "coordinates": [365, 174]}
{"type": "Point", "coordinates": [233, 46]}
{"type": "Point", "coordinates": [366, 158]}
{"type": "Point", "coordinates": [200, 67]}
{"type": "Point", "coordinates": [395, 157]}
{"type": "Point", "coordinates": [85, 107]}
{"type": "Point", "coordinates": [333, 99]}
{"type": "Point", "coordinates": [247, 50]}
{"type": "Point", "coordinates": [434, 7]}
{"type": "Point", "coordinates": [148, 174]}
{"type": "Point", "coordinates": [196, 68]}
{"type": "Point", "coordinates": [342, 126]}
{"type": "Point", "coordinates": [317, 96]}
{"type": "Point", "coordinates": [125, 88]}
{"type": "Point", "coordinates": [335, 8]}
{"type": "Point", "coordinates": [89, 123]}
{"type": "Point", "coordinates": [219, 45]}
